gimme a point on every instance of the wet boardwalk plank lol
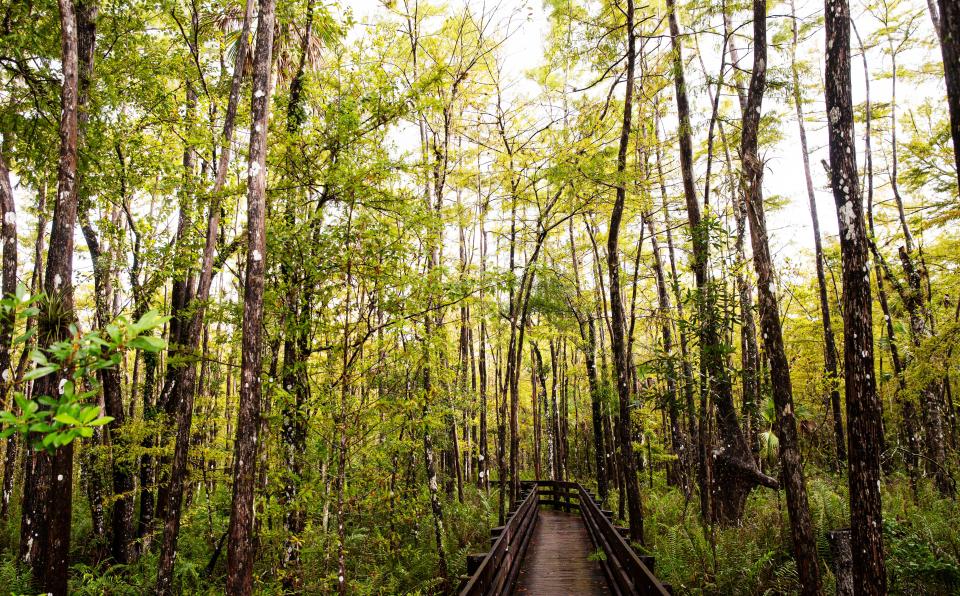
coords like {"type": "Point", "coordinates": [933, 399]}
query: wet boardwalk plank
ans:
{"type": "Point", "coordinates": [557, 560]}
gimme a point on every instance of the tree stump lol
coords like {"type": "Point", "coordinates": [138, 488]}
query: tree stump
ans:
{"type": "Point", "coordinates": [842, 560]}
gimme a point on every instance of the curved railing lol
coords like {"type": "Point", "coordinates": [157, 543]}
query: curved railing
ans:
{"type": "Point", "coordinates": [493, 573]}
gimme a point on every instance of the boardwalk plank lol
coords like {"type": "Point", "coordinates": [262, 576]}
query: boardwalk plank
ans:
{"type": "Point", "coordinates": [557, 560]}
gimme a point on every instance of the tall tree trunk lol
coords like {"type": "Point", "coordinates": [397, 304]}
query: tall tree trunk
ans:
{"type": "Point", "coordinates": [295, 354]}
{"type": "Point", "coordinates": [179, 388]}
{"type": "Point", "coordinates": [502, 471]}
{"type": "Point", "coordinates": [429, 458]}
{"type": "Point", "coordinates": [341, 423]}
{"type": "Point", "coordinates": [96, 459]}
{"type": "Point", "coordinates": [864, 408]}
{"type": "Point", "coordinates": [950, 48]}
{"type": "Point", "coordinates": [240, 545]}
{"type": "Point", "coordinates": [915, 303]}
{"type": "Point", "coordinates": [677, 440]}
{"type": "Point", "coordinates": [536, 396]}
{"type": "Point", "coordinates": [685, 365]}
{"type": "Point", "coordinates": [555, 433]}
{"type": "Point", "coordinates": [121, 533]}
{"type": "Point", "coordinates": [906, 406]}
{"type": "Point", "coordinates": [829, 341]}
{"type": "Point", "coordinates": [121, 527]}
{"type": "Point", "coordinates": [804, 542]}
{"type": "Point", "coordinates": [930, 394]}
{"type": "Point", "coordinates": [48, 484]}
{"type": "Point", "coordinates": [894, 162]}
{"type": "Point", "coordinates": [513, 357]}
{"type": "Point", "coordinates": [618, 323]}
{"type": "Point", "coordinates": [483, 465]}
{"type": "Point", "coordinates": [10, 457]}
{"type": "Point", "coordinates": [724, 490]}
{"type": "Point", "coordinates": [588, 335]}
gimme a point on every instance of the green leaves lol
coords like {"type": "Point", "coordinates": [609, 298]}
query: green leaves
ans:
{"type": "Point", "coordinates": [40, 371]}
{"type": "Point", "coordinates": [148, 343]}
{"type": "Point", "coordinates": [52, 421]}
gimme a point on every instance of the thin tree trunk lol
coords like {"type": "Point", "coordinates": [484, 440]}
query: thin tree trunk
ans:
{"type": "Point", "coordinates": [121, 534]}
{"type": "Point", "coordinates": [10, 457]}
{"type": "Point", "coordinates": [686, 367]}
{"type": "Point", "coordinates": [829, 341]}
{"type": "Point", "coordinates": [483, 469]}
{"type": "Point", "coordinates": [908, 411]}
{"type": "Point", "coordinates": [556, 445]}
{"type": "Point", "coordinates": [295, 354]}
{"type": "Point", "coordinates": [930, 394]}
{"type": "Point", "coordinates": [617, 340]}
{"type": "Point", "coordinates": [677, 440]}
{"type": "Point", "coordinates": [588, 335]}
{"type": "Point", "coordinates": [724, 492]}
{"type": "Point", "coordinates": [536, 389]}
{"type": "Point", "coordinates": [341, 422]}
{"type": "Point", "coordinates": [179, 389]}
{"type": "Point", "coordinates": [801, 526]}
{"type": "Point", "coordinates": [8, 287]}
{"type": "Point", "coordinates": [894, 185]}
{"type": "Point", "coordinates": [96, 459]}
{"type": "Point", "coordinates": [240, 544]}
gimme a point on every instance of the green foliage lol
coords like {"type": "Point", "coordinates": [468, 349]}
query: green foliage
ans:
{"type": "Point", "coordinates": [51, 421]}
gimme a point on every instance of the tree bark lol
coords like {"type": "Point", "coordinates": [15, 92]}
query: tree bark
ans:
{"type": "Point", "coordinates": [677, 440]}
{"type": "Point", "coordinates": [588, 335]}
{"type": "Point", "coordinates": [913, 298]}
{"type": "Point", "coordinates": [686, 367]}
{"type": "Point", "coordinates": [537, 397]}
{"type": "Point", "coordinates": [864, 409]}
{"type": "Point", "coordinates": [48, 484]}
{"type": "Point", "coordinates": [296, 343]}
{"type": "Point", "coordinates": [8, 288]}
{"type": "Point", "coordinates": [618, 323]}
{"type": "Point", "coordinates": [724, 491]}
{"type": "Point", "coordinates": [907, 409]}
{"type": "Point", "coordinates": [483, 465]}
{"type": "Point", "coordinates": [842, 561]}
{"type": "Point", "coordinates": [121, 527]}
{"type": "Point", "coordinates": [240, 543]}
{"type": "Point", "coordinates": [950, 48]}
{"type": "Point", "coordinates": [801, 526]}
{"type": "Point", "coordinates": [10, 456]}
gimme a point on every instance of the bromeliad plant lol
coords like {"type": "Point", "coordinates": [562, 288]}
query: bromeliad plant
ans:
{"type": "Point", "coordinates": [51, 421]}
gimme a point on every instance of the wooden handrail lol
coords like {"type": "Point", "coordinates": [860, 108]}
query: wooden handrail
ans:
{"type": "Point", "coordinates": [500, 567]}
{"type": "Point", "coordinates": [626, 573]}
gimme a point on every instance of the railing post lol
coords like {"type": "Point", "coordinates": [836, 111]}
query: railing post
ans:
{"type": "Point", "coordinates": [474, 561]}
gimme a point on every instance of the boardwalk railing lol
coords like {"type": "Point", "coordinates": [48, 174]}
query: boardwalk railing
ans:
{"type": "Point", "coordinates": [499, 568]}
{"type": "Point", "coordinates": [627, 573]}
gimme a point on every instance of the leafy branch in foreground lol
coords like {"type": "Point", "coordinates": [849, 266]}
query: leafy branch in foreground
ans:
{"type": "Point", "coordinates": [48, 421]}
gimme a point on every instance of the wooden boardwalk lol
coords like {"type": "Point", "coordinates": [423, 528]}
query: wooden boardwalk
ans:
{"type": "Point", "coordinates": [557, 560]}
{"type": "Point", "coordinates": [547, 552]}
